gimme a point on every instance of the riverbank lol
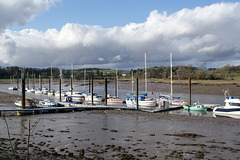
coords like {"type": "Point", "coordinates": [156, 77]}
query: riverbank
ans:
{"type": "Point", "coordinates": [214, 87]}
{"type": "Point", "coordinates": [119, 134]}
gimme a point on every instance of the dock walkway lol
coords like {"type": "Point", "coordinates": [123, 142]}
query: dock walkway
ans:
{"type": "Point", "coordinates": [82, 107]}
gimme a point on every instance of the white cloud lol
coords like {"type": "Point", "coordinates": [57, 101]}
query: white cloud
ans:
{"type": "Point", "coordinates": [100, 59]}
{"type": "Point", "coordinates": [21, 11]}
{"type": "Point", "coordinates": [208, 34]}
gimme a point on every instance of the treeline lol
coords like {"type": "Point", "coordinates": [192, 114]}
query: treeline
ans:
{"type": "Point", "coordinates": [197, 73]}
{"type": "Point", "coordinates": [162, 72]}
{"type": "Point", "coordinates": [15, 72]}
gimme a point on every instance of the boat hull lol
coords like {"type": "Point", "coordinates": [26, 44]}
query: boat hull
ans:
{"type": "Point", "coordinates": [226, 111]}
{"type": "Point", "coordinates": [193, 108]}
{"type": "Point", "coordinates": [147, 103]}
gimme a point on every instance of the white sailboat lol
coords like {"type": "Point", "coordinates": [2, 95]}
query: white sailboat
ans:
{"type": "Point", "coordinates": [12, 87]}
{"type": "Point", "coordinates": [63, 93]}
{"type": "Point", "coordinates": [39, 90]}
{"type": "Point", "coordinates": [174, 101]}
{"type": "Point", "coordinates": [143, 100]}
{"type": "Point", "coordinates": [114, 99]}
{"type": "Point", "coordinates": [51, 92]}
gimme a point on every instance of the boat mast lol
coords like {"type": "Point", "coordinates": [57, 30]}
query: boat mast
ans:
{"type": "Point", "coordinates": [132, 81]}
{"type": "Point", "coordinates": [171, 75]}
{"type": "Point", "coordinates": [51, 78]}
{"type": "Point", "coordinates": [39, 82]}
{"type": "Point", "coordinates": [145, 72]}
{"type": "Point", "coordinates": [116, 83]}
{"type": "Point", "coordinates": [84, 79]}
{"type": "Point", "coordinates": [72, 80]}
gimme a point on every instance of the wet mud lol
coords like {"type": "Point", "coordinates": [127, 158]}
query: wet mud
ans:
{"type": "Point", "coordinates": [117, 134]}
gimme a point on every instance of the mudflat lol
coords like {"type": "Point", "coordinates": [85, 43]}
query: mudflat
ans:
{"type": "Point", "coordinates": [121, 134]}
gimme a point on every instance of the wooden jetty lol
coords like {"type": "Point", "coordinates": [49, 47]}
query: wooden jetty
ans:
{"type": "Point", "coordinates": [81, 107]}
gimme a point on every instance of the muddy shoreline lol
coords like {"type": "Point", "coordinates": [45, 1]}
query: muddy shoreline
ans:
{"type": "Point", "coordinates": [121, 134]}
{"type": "Point", "coordinates": [116, 140]}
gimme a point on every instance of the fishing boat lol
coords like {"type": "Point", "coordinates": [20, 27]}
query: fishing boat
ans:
{"type": "Point", "coordinates": [195, 107]}
{"type": "Point", "coordinates": [29, 104]}
{"type": "Point", "coordinates": [231, 107]}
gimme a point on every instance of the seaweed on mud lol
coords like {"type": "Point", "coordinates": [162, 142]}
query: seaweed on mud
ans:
{"type": "Point", "coordinates": [185, 135]}
{"type": "Point", "coordinates": [175, 154]}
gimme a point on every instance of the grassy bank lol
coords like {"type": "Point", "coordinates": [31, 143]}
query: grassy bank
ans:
{"type": "Point", "coordinates": [194, 82]}
{"type": "Point", "coordinates": [164, 81]}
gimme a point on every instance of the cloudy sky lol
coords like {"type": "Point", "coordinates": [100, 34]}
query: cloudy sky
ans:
{"type": "Point", "coordinates": [115, 34]}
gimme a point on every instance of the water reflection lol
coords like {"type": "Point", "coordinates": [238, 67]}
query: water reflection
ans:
{"type": "Point", "coordinates": [197, 113]}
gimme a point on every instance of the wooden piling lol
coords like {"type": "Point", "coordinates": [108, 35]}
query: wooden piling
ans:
{"type": "Point", "coordinates": [105, 92]}
{"type": "Point", "coordinates": [71, 84]}
{"type": "Point", "coordinates": [92, 91]}
{"type": "Point", "coordinates": [23, 90]}
{"type": "Point", "coordinates": [41, 83]}
{"type": "Point", "coordinates": [60, 89]}
{"type": "Point", "coordinates": [89, 85]}
{"type": "Point", "coordinates": [137, 93]}
{"type": "Point", "coordinates": [190, 90]}
{"type": "Point", "coordinates": [28, 83]}
{"type": "Point", "coordinates": [116, 86]}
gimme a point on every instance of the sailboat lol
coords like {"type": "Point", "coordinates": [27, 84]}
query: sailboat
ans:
{"type": "Point", "coordinates": [63, 93]}
{"type": "Point", "coordinates": [174, 101]}
{"type": "Point", "coordinates": [114, 99]}
{"type": "Point", "coordinates": [39, 90]}
{"type": "Point", "coordinates": [143, 100]}
{"type": "Point", "coordinates": [51, 92]}
{"type": "Point", "coordinates": [12, 87]}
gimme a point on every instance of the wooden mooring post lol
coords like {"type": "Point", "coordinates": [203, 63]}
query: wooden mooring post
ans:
{"type": "Point", "coordinates": [71, 85]}
{"type": "Point", "coordinates": [60, 89]}
{"type": "Point", "coordinates": [89, 85]}
{"type": "Point", "coordinates": [105, 92]}
{"type": "Point", "coordinates": [190, 90]}
{"type": "Point", "coordinates": [137, 93]}
{"type": "Point", "coordinates": [92, 91]}
{"type": "Point", "coordinates": [23, 89]}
